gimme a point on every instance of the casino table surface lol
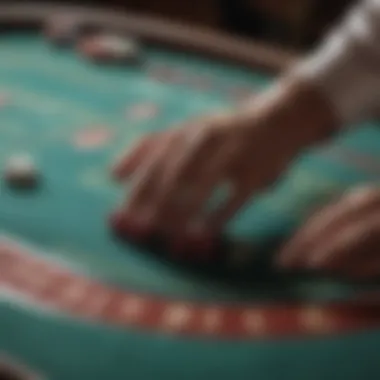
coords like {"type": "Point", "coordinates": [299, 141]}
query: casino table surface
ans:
{"type": "Point", "coordinates": [77, 303]}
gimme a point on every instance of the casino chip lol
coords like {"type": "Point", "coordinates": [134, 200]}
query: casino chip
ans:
{"type": "Point", "coordinates": [110, 49]}
{"type": "Point", "coordinates": [21, 172]}
{"type": "Point", "coordinates": [198, 251]}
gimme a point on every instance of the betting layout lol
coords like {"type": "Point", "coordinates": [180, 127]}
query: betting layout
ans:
{"type": "Point", "coordinates": [72, 100]}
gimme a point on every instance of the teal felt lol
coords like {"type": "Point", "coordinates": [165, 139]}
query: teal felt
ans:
{"type": "Point", "coordinates": [54, 95]}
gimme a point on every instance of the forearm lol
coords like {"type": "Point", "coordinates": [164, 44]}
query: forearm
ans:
{"type": "Point", "coordinates": [300, 109]}
{"type": "Point", "coordinates": [332, 88]}
{"type": "Point", "coordinates": [346, 67]}
{"type": "Point", "coordinates": [290, 117]}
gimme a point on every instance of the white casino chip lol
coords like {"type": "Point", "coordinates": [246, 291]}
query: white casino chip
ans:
{"type": "Point", "coordinates": [118, 45]}
{"type": "Point", "coordinates": [21, 171]}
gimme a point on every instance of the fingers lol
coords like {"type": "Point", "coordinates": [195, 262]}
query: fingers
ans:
{"type": "Point", "coordinates": [326, 224]}
{"type": "Point", "coordinates": [352, 251]}
{"type": "Point", "coordinates": [320, 226]}
{"type": "Point", "coordinates": [174, 174]}
{"type": "Point", "coordinates": [188, 176]}
{"type": "Point", "coordinates": [147, 180]}
{"type": "Point", "coordinates": [351, 242]}
{"type": "Point", "coordinates": [196, 176]}
{"type": "Point", "coordinates": [131, 161]}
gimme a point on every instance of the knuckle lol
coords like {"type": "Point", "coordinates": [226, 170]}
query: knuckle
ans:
{"type": "Point", "coordinates": [362, 236]}
{"type": "Point", "coordinates": [212, 132]}
{"type": "Point", "coordinates": [206, 136]}
{"type": "Point", "coordinates": [371, 232]}
{"type": "Point", "coordinates": [364, 196]}
{"type": "Point", "coordinates": [371, 228]}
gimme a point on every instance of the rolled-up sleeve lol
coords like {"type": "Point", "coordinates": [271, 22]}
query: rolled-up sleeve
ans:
{"type": "Point", "coordinates": [346, 67]}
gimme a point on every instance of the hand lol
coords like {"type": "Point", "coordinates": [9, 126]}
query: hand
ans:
{"type": "Point", "coordinates": [342, 238]}
{"type": "Point", "coordinates": [175, 173]}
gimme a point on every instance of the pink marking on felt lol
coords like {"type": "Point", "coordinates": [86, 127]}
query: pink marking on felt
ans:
{"type": "Point", "coordinates": [142, 111]}
{"type": "Point", "coordinates": [4, 100]}
{"type": "Point", "coordinates": [92, 138]}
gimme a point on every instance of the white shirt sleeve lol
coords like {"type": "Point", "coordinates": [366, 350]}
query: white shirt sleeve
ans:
{"type": "Point", "coordinates": [346, 66]}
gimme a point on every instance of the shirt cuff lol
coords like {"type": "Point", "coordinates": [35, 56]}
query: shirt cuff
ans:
{"type": "Point", "coordinates": [344, 74]}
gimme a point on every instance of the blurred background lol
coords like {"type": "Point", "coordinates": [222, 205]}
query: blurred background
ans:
{"type": "Point", "coordinates": [297, 24]}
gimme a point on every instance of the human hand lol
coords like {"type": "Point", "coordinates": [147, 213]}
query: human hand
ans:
{"type": "Point", "coordinates": [342, 238]}
{"type": "Point", "coordinates": [174, 173]}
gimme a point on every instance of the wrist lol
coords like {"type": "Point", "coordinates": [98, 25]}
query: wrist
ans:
{"type": "Point", "coordinates": [297, 110]}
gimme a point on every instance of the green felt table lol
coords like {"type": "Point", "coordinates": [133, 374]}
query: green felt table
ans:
{"type": "Point", "coordinates": [76, 303]}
